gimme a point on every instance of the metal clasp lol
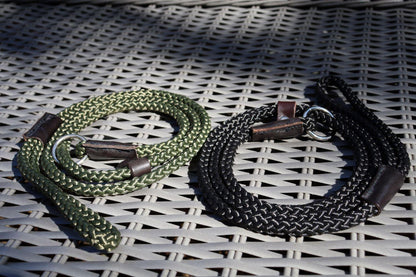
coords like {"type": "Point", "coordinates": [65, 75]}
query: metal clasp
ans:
{"type": "Point", "coordinates": [311, 133]}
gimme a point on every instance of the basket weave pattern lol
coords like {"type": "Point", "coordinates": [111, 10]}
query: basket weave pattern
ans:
{"type": "Point", "coordinates": [228, 59]}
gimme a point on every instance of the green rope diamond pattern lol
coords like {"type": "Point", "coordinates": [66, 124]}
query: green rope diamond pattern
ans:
{"type": "Point", "coordinates": [36, 163]}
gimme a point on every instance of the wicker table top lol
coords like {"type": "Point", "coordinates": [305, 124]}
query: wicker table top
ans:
{"type": "Point", "coordinates": [228, 58]}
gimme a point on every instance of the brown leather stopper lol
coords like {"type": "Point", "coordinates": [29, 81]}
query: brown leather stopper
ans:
{"type": "Point", "coordinates": [383, 187]}
{"type": "Point", "coordinates": [109, 150]}
{"type": "Point", "coordinates": [44, 128]}
{"type": "Point", "coordinates": [281, 129]}
{"type": "Point", "coordinates": [137, 166]}
{"type": "Point", "coordinates": [286, 109]}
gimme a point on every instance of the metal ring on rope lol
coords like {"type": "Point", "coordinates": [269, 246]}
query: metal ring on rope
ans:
{"type": "Point", "coordinates": [63, 138]}
{"type": "Point", "coordinates": [312, 133]}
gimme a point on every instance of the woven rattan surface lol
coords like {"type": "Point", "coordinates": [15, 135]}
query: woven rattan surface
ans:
{"type": "Point", "coordinates": [246, 3]}
{"type": "Point", "coordinates": [228, 59]}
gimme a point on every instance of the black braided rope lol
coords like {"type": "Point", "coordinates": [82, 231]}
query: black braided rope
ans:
{"type": "Point", "coordinates": [373, 142]}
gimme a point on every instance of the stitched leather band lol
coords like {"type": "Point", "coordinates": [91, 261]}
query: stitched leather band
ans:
{"type": "Point", "coordinates": [286, 109]}
{"type": "Point", "coordinates": [280, 129]}
{"type": "Point", "coordinates": [109, 150]}
{"type": "Point", "coordinates": [137, 166]}
{"type": "Point", "coordinates": [43, 128]}
{"type": "Point", "coordinates": [383, 187]}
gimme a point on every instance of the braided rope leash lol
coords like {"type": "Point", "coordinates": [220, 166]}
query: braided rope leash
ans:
{"type": "Point", "coordinates": [54, 173]}
{"type": "Point", "coordinates": [382, 163]}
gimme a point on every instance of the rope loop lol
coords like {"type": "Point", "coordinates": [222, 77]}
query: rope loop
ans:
{"type": "Point", "coordinates": [374, 145]}
{"type": "Point", "coordinates": [51, 169]}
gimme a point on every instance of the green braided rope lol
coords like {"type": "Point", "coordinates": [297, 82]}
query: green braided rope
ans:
{"type": "Point", "coordinates": [36, 163]}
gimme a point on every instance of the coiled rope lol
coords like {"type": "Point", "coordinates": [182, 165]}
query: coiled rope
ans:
{"type": "Point", "coordinates": [55, 180]}
{"type": "Point", "coordinates": [374, 145]}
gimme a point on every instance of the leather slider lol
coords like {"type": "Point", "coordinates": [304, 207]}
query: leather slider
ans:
{"type": "Point", "coordinates": [44, 128]}
{"type": "Point", "coordinates": [286, 109]}
{"type": "Point", "coordinates": [281, 129]}
{"type": "Point", "coordinates": [383, 187]}
{"type": "Point", "coordinates": [137, 166]}
{"type": "Point", "coordinates": [286, 126]}
{"type": "Point", "coordinates": [109, 150]}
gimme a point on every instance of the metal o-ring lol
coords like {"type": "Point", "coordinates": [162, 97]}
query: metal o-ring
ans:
{"type": "Point", "coordinates": [311, 133]}
{"type": "Point", "coordinates": [63, 138]}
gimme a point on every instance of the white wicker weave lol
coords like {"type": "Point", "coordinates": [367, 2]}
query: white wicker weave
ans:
{"type": "Point", "coordinates": [229, 59]}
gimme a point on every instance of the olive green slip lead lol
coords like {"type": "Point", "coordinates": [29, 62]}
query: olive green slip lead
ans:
{"type": "Point", "coordinates": [45, 159]}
